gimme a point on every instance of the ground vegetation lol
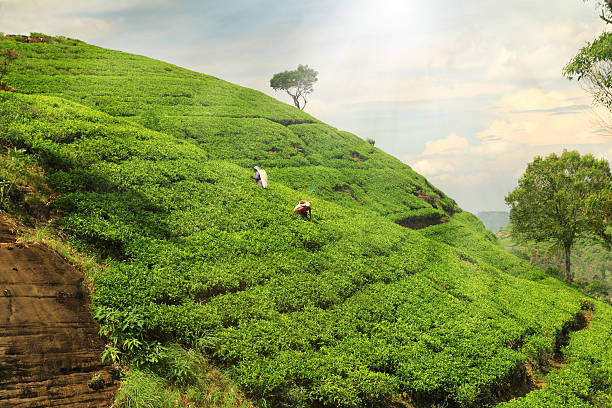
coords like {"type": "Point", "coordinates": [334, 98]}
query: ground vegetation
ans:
{"type": "Point", "coordinates": [150, 168]}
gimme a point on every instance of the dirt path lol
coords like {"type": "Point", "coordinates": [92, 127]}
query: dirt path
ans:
{"type": "Point", "coordinates": [49, 344]}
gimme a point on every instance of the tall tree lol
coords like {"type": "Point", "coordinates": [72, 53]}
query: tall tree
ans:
{"type": "Point", "coordinates": [297, 83]}
{"type": "Point", "coordinates": [562, 198]}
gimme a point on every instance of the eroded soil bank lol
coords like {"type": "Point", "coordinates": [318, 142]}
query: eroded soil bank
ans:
{"type": "Point", "coordinates": [49, 343]}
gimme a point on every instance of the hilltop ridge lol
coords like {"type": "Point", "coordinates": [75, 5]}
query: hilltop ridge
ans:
{"type": "Point", "coordinates": [150, 166]}
{"type": "Point", "coordinates": [232, 123]}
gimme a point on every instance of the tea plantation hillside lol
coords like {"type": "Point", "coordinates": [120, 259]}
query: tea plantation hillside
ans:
{"type": "Point", "coordinates": [231, 123]}
{"type": "Point", "coordinates": [351, 310]}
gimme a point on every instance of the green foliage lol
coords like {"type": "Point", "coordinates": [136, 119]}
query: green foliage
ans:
{"type": "Point", "coordinates": [569, 387]}
{"type": "Point", "coordinates": [201, 253]}
{"type": "Point", "coordinates": [143, 389]}
{"type": "Point", "coordinates": [229, 123]}
{"type": "Point", "coordinates": [297, 83]}
{"type": "Point", "coordinates": [5, 191]}
{"type": "Point", "coordinates": [179, 366]}
{"type": "Point", "coordinates": [96, 382]}
{"type": "Point", "coordinates": [126, 333]}
{"type": "Point", "coordinates": [7, 57]}
{"type": "Point", "coordinates": [551, 203]}
{"type": "Point", "coordinates": [591, 66]}
{"type": "Point", "coordinates": [15, 176]}
{"type": "Point", "coordinates": [479, 245]}
{"type": "Point", "coordinates": [598, 288]}
{"type": "Point", "coordinates": [587, 380]}
{"type": "Point", "coordinates": [539, 350]}
{"type": "Point", "coordinates": [591, 261]}
{"type": "Point", "coordinates": [350, 310]}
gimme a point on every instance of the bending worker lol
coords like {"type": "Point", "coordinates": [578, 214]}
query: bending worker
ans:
{"type": "Point", "coordinates": [304, 209]}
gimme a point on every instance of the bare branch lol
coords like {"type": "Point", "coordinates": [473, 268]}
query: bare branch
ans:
{"type": "Point", "coordinates": [603, 17]}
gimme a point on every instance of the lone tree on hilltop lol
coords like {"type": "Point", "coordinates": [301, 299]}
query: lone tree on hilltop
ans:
{"type": "Point", "coordinates": [562, 198]}
{"type": "Point", "coordinates": [296, 83]}
{"type": "Point", "coordinates": [6, 58]}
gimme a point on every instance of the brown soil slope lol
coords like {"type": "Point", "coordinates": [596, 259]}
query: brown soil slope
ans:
{"type": "Point", "coordinates": [49, 344]}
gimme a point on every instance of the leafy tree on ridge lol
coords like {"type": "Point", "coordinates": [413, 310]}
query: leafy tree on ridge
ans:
{"type": "Point", "coordinates": [562, 198]}
{"type": "Point", "coordinates": [297, 83]}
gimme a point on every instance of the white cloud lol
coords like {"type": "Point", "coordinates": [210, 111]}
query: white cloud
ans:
{"type": "Point", "coordinates": [73, 18]}
{"type": "Point", "coordinates": [538, 99]}
{"type": "Point", "coordinates": [535, 117]}
{"type": "Point", "coordinates": [492, 148]}
{"type": "Point", "coordinates": [451, 144]}
{"type": "Point", "coordinates": [472, 179]}
{"type": "Point", "coordinates": [504, 59]}
{"type": "Point", "coordinates": [432, 167]}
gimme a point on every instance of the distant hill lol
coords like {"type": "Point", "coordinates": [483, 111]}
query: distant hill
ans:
{"type": "Point", "coordinates": [392, 297]}
{"type": "Point", "coordinates": [494, 221]}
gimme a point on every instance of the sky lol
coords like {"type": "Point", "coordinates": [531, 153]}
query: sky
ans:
{"type": "Point", "coordinates": [466, 93]}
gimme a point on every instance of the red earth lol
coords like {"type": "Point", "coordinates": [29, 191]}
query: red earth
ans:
{"type": "Point", "coordinates": [49, 343]}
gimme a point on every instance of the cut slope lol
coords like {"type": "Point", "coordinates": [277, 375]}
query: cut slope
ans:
{"type": "Point", "coordinates": [231, 123]}
{"type": "Point", "coordinates": [49, 342]}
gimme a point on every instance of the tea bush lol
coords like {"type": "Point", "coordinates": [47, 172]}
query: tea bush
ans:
{"type": "Point", "coordinates": [230, 123]}
{"type": "Point", "coordinates": [350, 310]}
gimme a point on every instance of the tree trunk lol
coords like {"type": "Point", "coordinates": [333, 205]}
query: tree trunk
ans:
{"type": "Point", "coordinates": [568, 272]}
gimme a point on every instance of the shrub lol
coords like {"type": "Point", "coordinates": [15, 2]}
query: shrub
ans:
{"type": "Point", "coordinates": [179, 366]}
{"type": "Point", "coordinates": [96, 382]}
{"type": "Point", "coordinates": [7, 57]}
{"type": "Point", "coordinates": [142, 389]}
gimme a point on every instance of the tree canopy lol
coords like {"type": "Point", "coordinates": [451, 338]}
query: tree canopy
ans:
{"type": "Point", "coordinates": [297, 83]}
{"type": "Point", "coordinates": [592, 66]}
{"type": "Point", "coordinates": [562, 198]}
